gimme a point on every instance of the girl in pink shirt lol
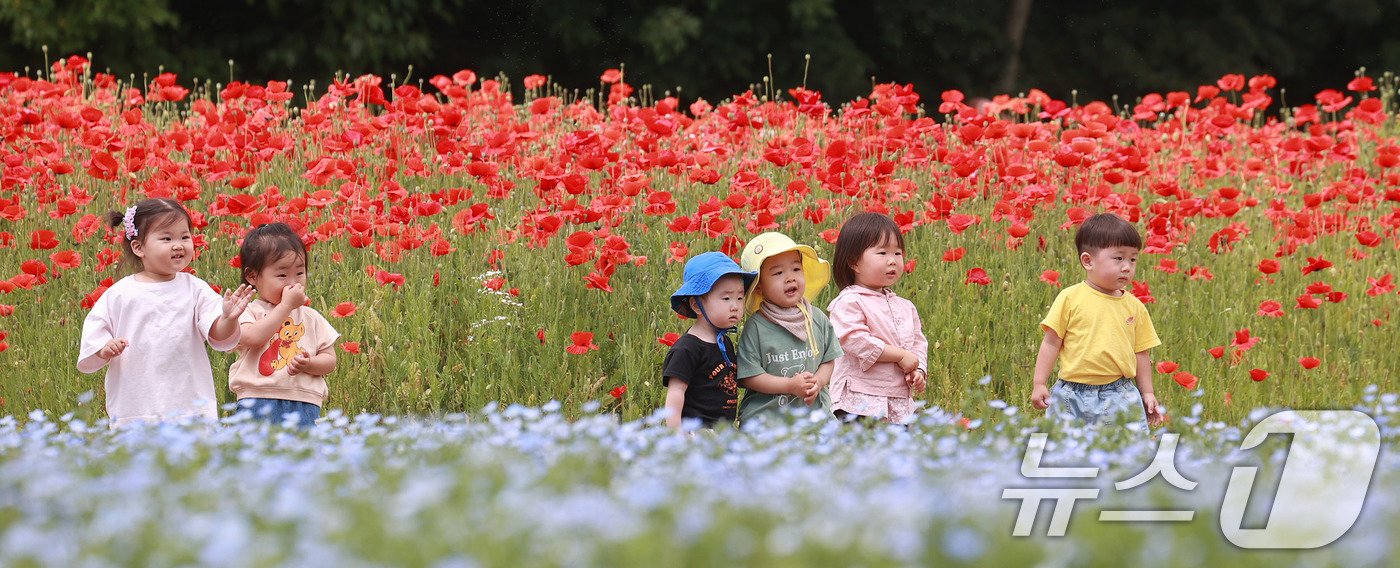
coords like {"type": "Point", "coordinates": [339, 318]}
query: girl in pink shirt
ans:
{"type": "Point", "coordinates": [886, 353]}
{"type": "Point", "coordinates": [149, 329]}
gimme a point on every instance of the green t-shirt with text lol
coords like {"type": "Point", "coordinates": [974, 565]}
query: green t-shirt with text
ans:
{"type": "Point", "coordinates": [766, 347]}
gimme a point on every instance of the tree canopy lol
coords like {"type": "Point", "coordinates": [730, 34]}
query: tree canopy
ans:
{"type": "Point", "coordinates": [714, 48]}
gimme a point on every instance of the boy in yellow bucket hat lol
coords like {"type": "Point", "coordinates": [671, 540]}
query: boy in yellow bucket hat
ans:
{"type": "Point", "coordinates": [788, 351]}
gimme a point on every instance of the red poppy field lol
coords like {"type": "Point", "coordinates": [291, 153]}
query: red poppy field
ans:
{"type": "Point", "coordinates": [474, 244]}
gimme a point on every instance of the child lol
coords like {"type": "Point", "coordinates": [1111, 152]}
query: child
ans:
{"type": "Point", "coordinates": [287, 347]}
{"type": "Point", "coordinates": [1100, 334]}
{"type": "Point", "coordinates": [149, 329]}
{"type": "Point", "coordinates": [886, 353]}
{"type": "Point", "coordinates": [787, 353]}
{"type": "Point", "coordinates": [698, 372]}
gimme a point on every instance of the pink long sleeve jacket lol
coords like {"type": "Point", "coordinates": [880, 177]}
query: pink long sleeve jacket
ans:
{"type": "Point", "coordinates": [866, 321]}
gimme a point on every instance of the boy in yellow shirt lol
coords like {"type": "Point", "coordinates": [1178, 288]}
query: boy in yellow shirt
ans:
{"type": "Point", "coordinates": [1100, 334]}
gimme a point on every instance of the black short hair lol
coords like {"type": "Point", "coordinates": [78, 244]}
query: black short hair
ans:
{"type": "Point", "coordinates": [149, 215]}
{"type": "Point", "coordinates": [1106, 230]}
{"type": "Point", "coordinates": [267, 243]}
{"type": "Point", "coordinates": [857, 234]}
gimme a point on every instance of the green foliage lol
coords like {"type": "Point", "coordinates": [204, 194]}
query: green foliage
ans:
{"type": "Point", "coordinates": [713, 48]}
{"type": "Point", "coordinates": [125, 30]}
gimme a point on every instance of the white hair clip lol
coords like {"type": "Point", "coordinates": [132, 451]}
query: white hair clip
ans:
{"type": "Point", "coordinates": [129, 223]}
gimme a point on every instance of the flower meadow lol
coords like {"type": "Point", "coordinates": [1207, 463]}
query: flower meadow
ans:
{"type": "Point", "coordinates": [498, 262]}
{"type": "Point", "coordinates": [549, 486]}
{"type": "Point", "coordinates": [476, 244]}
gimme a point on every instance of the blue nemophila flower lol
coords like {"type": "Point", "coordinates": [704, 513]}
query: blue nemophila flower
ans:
{"type": "Point", "coordinates": [524, 485]}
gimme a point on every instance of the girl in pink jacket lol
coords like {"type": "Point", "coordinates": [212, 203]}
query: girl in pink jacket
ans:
{"type": "Point", "coordinates": [886, 353]}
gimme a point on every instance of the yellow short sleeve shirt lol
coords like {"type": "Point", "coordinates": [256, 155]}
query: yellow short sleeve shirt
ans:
{"type": "Point", "coordinates": [1102, 334]}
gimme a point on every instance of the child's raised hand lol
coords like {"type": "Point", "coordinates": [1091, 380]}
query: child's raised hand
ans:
{"type": "Point", "coordinates": [113, 348]}
{"type": "Point", "coordinates": [1040, 397]}
{"type": "Point", "coordinates": [294, 295]}
{"type": "Point", "coordinates": [235, 301]}
{"type": "Point", "coordinates": [298, 363]}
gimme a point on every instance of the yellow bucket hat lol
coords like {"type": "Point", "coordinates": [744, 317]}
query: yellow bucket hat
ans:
{"type": "Point", "coordinates": [816, 270]}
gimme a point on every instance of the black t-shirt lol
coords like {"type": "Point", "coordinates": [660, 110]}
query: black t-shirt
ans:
{"type": "Point", "coordinates": [711, 392]}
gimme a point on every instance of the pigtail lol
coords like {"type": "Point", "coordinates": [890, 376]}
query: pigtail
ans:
{"type": "Point", "coordinates": [116, 220]}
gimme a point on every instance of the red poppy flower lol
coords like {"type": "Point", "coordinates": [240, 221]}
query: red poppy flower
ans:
{"type": "Point", "coordinates": [494, 284]}
{"type": "Point", "coordinates": [679, 251]}
{"type": "Point", "coordinates": [1361, 84]}
{"type": "Point", "coordinates": [954, 255]}
{"type": "Point", "coordinates": [1382, 286]}
{"type": "Point", "coordinates": [1143, 292]}
{"type": "Point", "coordinates": [958, 222]}
{"type": "Point", "coordinates": [1258, 375]}
{"type": "Point", "coordinates": [1270, 309]}
{"type": "Point", "coordinates": [6, 310]}
{"type": "Point", "coordinates": [1216, 352]}
{"type": "Point", "coordinates": [441, 247]}
{"type": "Point", "coordinates": [1186, 380]}
{"type": "Point", "coordinates": [1316, 264]}
{"type": "Point", "coordinates": [1319, 288]}
{"type": "Point", "coordinates": [1230, 82]}
{"type": "Point", "coordinates": [344, 309]}
{"type": "Point", "coordinates": [67, 259]}
{"type": "Point", "coordinates": [669, 339]}
{"type": "Point", "coordinates": [1309, 362]}
{"type": "Point", "coordinates": [611, 76]}
{"type": "Point", "coordinates": [1244, 341]}
{"type": "Point", "coordinates": [34, 267]}
{"type": "Point", "coordinates": [977, 276]}
{"type": "Point", "coordinates": [42, 239]}
{"type": "Point", "coordinates": [618, 391]}
{"type": "Point", "coordinates": [1336, 296]}
{"type": "Point", "coordinates": [385, 278]}
{"type": "Point", "coordinates": [1307, 302]}
{"type": "Point", "coordinates": [352, 347]}
{"type": "Point", "coordinates": [1268, 266]}
{"type": "Point", "coordinates": [1050, 277]}
{"type": "Point", "coordinates": [599, 281]}
{"type": "Point", "coordinates": [25, 281]}
{"type": "Point", "coordinates": [1167, 265]}
{"type": "Point", "coordinates": [1368, 239]}
{"type": "Point", "coordinates": [582, 342]}
{"type": "Point", "coordinates": [1167, 367]}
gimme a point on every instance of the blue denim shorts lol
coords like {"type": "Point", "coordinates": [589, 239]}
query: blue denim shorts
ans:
{"type": "Point", "coordinates": [1118, 402]}
{"type": "Point", "coordinates": [276, 410]}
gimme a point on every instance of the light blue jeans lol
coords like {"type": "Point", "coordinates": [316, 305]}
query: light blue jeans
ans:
{"type": "Point", "coordinates": [275, 410]}
{"type": "Point", "coordinates": [1118, 402]}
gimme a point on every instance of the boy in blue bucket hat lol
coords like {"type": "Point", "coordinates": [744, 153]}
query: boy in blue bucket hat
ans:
{"type": "Point", "coordinates": [699, 370]}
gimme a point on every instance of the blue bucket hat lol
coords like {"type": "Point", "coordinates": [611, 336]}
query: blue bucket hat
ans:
{"type": "Point", "coordinates": [701, 273]}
